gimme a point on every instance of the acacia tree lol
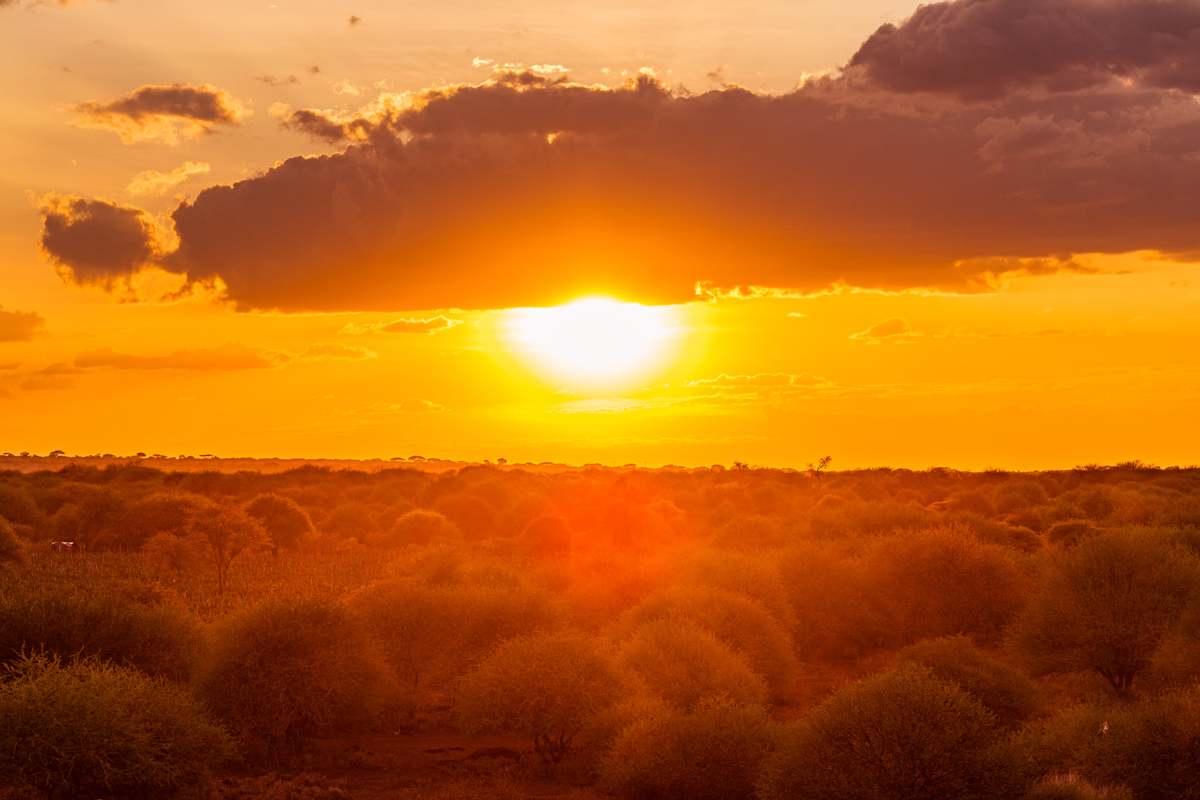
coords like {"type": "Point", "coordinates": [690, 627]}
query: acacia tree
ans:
{"type": "Point", "coordinates": [1106, 605]}
{"type": "Point", "coordinates": [543, 686]}
{"type": "Point", "coordinates": [221, 533]}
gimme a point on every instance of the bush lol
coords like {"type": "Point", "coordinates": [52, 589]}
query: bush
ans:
{"type": "Point", "coordinates": [288, 669]}
{"type": "Point", "coordinates": [545, 687]}
{"type": "Point", "coordinates": [349, 521]}
{"type": "Point", "coordinates": [161, 641]}
{"type": "Point", "coordinates": [164, 513]}
{"type": "Point", "coordinates": [901, 734]}
{"type": "Point", "coordinates": [1007, 693]}
{"type": "Point", "coordinates": [473, 515]}
{"type": "Point", "coordinates": [92, 726]}
{"type": "Point", "coordinates": [1069, 532]}
{"type": "Point", "coordinates": [1106, 605]}
{"type": "Point", "coordinates": [546, 536]}
{"type": "Point", "coordinates": [714, 753]}
{"type": "Point", "coordinates": [286, 523]}
{"type": "Point", "coordinates": [685, 664]}
{"type": "Point", "coordinates": [836, 618]}
{"type": "Point", "coordinates": [942, 581]}
{"type": "Point", "coordinates": [753, 575]}
{"type": "Point", "coordinates": [737, 621]}
{"type": "Point", "coordinates": [11, 550]}
{"type": "Point", "coordinates": [419, 526]}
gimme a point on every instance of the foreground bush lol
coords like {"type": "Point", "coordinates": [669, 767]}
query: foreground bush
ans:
{"type": "Point", "coordinates": [1004, 691]}
{"type": "Point", "coordinates": [714, 753]}
{"type": "Point", "coordinates": [901, 734]}
{"type": "Point", "coordinates": [11, 550]}
{"type": "Point", "coordinates": [545, 687]}
{"type": "Point", "coordinates": [161, 641]}
{"type": "Point", "coordinates": [289, 669]}
{"type": "Point", "coordinates": [94, 726]}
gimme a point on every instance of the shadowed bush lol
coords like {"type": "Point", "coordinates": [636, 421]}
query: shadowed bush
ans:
{"type": "Point", "coordinates": [1069, 532]}
{"type": "Point", "coordinates": [1007, 693]}
{"type": "Point", "coordinates": [714, 753]}
{"type": "Point", "coordinates": [11, 551]}
{"type": "Point", "coordinates": [544, 687]}
{"type": "Point", "coordinates": [91, 726]}
{"type": "Point", "coordinates": [901, 734]}
{"type": "Point", "coordinates": [161, 641]}
{"type": "Point", "coordinates": [419, 526]}
{"type": "Point", "coordinates": [286, 523]}
{"type": "Point", "coordinates": [289, 669]}
{"type": "Point", "coordinates": [685, 664]}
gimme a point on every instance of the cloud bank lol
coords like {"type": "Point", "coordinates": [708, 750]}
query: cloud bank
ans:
{"type": "Point", "coordinates": [979, 140]}
{"type": "Point", "coordinates": [20, 326]}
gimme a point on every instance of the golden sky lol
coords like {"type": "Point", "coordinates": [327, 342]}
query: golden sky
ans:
{"type": "Point", "coordinates": [963, 235]}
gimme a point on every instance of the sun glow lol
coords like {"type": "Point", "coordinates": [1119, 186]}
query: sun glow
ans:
{"type": "Point", "coordinates": [595, 342]}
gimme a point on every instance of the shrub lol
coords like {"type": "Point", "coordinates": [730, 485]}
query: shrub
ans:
{"type": "Point", "coordinates": [1069, 532]}
{"type": "Point", "coordinates": [756, 532]}
{"type": "Point", "coordinates": [349, 521]}
{"type": "Point", "coordinates": [1017, 495]}
{"type": "Point", "coordinates": [93, 726]}
{"type": "Point", "coordinates": [286, 523]}
{"type": "Point", "coordinates": [419, 526]}
{"type": "Point", "coordinates": [546, 536]}
{"type": "Point", "coordinates": [164, 513]}
{"type": "Point", "coordinates": [544, 686]}
{"type": "Point", "coordinates": [1106, 605]}
{"type": "Point", "coordinates": [160, 641]}
{"type": "Point", "coordinates": [942, 581]}
{"type": "Point", "coordinates": [288, 669]}
{"type": "Point", "coordinates": [714, 753]}
{"type": "Point", "coordinates": [11, 550]}
{"type": "Point", "coordinates": [903, 733]}
{"type": "Point", "coordinates": [1007, 693]}
{"type": "Point", "coordinates": [221, 534]}
{"type": "Point", "coordinates": [836, 619]}
{"type": "Point", "coordinates": [172, 554]}
{"type": "Point", "coordinates": [738, 621]}
{"type": "Point", "coordinates": [685, 664]}
{"type": "Point", "coordinates": [473, 515]}
{"type": "Point", "coordinates": [753, 575]}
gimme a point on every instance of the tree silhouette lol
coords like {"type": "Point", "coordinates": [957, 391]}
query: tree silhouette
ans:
{"type": "Point", "coordinates": [222, 533]}
{"type": "Point", "coordinates": [816, 469]}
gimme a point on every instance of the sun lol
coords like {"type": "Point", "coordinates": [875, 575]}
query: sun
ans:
{"type": "Point", "coordinates": [594, 342]}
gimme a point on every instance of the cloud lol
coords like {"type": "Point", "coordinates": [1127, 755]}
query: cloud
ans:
{"type": "Point", "coordinates": [354, 21]}
{"type": "Point", "coordinates": [95, 242]}
{"type": "Point", "coordinates": [524, 190]}
{"type": "Point", "coordinates": [985, 50]}
{"type": "Point", "coordinates": [335, 352]}
{"type": "Point", "coordinates": [51, 378]}
{"type": "Point", "coordinates": [230, 357]}
{"type": "Point", "coordinates": [271, 80]}
{"type": "Point", "coordinates": [895, 329]}
{"type": "Point", "coordinates": [154, 182]}
{"type": "Point", "coordinates": [20, 326]}
{"type": "Point", "coordinates": [431, 325]}
{"type": "Point", "coordinates": [762, 379]}
{"type": "Point", "coordinates": [227, 357]}
{"type": "Point", "coordinates": [5, 394]}
{"type": "Point", "coordinates": [412, 405]}
{"type": "Point", "coordinates": [161, 113]}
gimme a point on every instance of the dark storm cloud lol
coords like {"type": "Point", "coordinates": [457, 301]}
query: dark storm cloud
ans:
{"type": "Point", "coordinates": [529, 191]}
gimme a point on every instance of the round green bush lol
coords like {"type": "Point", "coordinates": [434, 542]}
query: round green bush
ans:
{"type": "Point", "coordinates": [89, 725]}
{"type": "Point", "coordinates": [713, 753]}
{"type": "Point", "coordinates": [685, 664]}
{"type": "Point", "coordinates": [901, 734]}
{"type": "Point", "coordinates": [289, 669]}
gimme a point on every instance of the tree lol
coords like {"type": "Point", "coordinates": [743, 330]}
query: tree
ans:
{"type": "Point", "coordinates": [222, 533]}
{"type": "Point", "coordinates": [1106, 605]}
{"type": "Point", "coordinates": [544, 686]}
{"type": "Point", "coordinates": [10, 546]}
{"type": "Point", "coordinates": [816, 469]}
{"type": "Point", "coordinates": [283, 519]}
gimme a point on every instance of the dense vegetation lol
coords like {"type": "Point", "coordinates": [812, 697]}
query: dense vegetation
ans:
{"type": "Point", "coordinates": [653, 633]}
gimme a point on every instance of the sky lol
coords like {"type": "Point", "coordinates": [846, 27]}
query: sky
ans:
{"type": "Point", "coordinates": [684, 233]}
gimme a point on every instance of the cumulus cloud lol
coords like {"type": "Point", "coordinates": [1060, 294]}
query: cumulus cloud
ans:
{"type": "Point", "coordinates": [162, 113]}
{"type": "Point", "coordinates": [334, 352]}
{"type": "Point", "coordinates": [155, 182]}
{"type": "Point", "coordinates": [227, 357]}
{"type": "Point", "coordinates": [984, 49]}
{"type": "Point", "coordinates": [95, 242]}
{"type": "Point", "coordinates": [895, 329]}
{"type": "Point", "coordinates": [271, 80]}
{"type": "Point", "coordinates": [524, 189]}
{"type": "Point", "coordinates": [20, 326]}
{"type": "Point", "coordinates": [431, 325]}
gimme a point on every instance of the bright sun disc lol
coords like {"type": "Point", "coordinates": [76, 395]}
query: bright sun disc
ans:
{"type": "Point", "coordinates": [594, 341]}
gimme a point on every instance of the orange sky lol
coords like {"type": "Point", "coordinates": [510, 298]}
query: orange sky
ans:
{"type": "Point", "coordinates": [955, 241]}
